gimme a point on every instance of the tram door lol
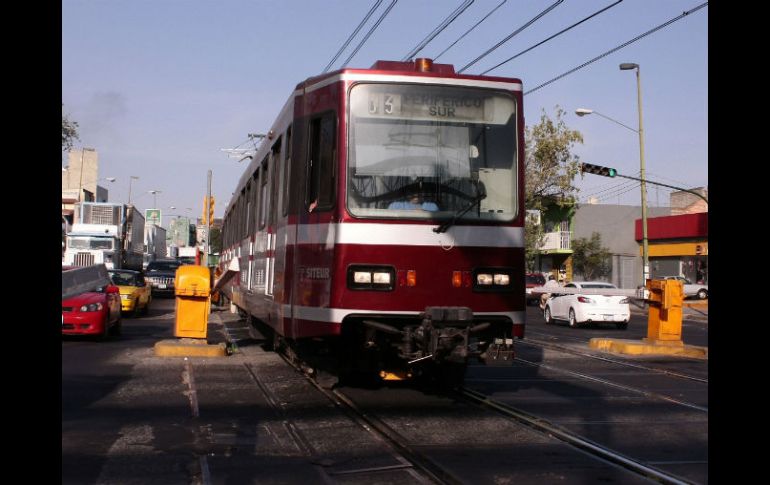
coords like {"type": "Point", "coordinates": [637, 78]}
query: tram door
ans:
{"type": "Point", "coordinates": [272, 220]}
{"type": "Point", "coordinates": [315, 231]}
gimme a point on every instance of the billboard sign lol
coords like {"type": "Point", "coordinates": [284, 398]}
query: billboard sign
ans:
{"type": "Point", "coordinates": [152, 216]}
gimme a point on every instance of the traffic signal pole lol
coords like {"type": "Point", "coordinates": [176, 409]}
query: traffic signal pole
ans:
{"type": "Point", "coordinates": [611, 172]}
{"type": "Point", "coordinates": [665, 185]}
{"type": "Point", "coordinates": [208, 221]}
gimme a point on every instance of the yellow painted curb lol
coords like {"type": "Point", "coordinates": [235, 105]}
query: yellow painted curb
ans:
{"type": "Point", "coordinates": [636, 347]}
{"type": "Point", "coordinates": [696, 304]}
{"type": "Point", "coordinates": [187, 347]}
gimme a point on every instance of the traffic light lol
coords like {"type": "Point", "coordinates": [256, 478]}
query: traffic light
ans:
{"type": "Point", "coordinates": [205, 210]}
{"type": "Point", "coordinates": [211, 210]}
{"type": "Point", "coordinates": [597, 170]}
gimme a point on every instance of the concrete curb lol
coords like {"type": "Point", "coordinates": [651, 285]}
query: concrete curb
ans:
{"type": "Point", "coordinates": [638, 347]}
{"type": "Point", "coordinates": [187, 347]}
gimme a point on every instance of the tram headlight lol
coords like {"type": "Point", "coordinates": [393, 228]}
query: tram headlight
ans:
{"type": "Point", "coordinates": [484, 279]}
{"type": "Point", "coordinates": [381, 278]}
{"type": "Point", "coordinates": [362, 277]}
{"type": "Point", "coordinates": [371, 277]}
{"type": "Point", "coordinates": [493, 279]}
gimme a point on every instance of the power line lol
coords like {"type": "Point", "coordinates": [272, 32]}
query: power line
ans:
{"type": "Point", "coordinates": [355, 32]}
{"type": "Point", "coordinates": [554, 35]}
{"type": "Point", "coordinates": [469, 30]}
{"type": "Point", "coordinates": [532, 21]}
{"type": "Point", "coordinates": [622, 186]}
{"type": "Point", "coordinates": [665, 24]}
{"type": "Point", "coordinates": [366, 37]}
{"type": "Point", "coordinates": [443, 25]}
{"type": "Point", "coordinates": [669, 179]}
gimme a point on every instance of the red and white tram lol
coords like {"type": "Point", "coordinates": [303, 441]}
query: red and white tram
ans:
{"type": "Point", "coordinates": [380, 226]}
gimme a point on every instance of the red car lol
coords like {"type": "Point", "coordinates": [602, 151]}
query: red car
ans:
{"type": "Point", "coordinates": [533, 280]}
{"type": "Point", "coordinates": [92, 313]}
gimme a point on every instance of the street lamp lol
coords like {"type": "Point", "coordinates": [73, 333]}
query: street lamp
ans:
{"type": "Point", "coordinates": [626, 66]}
{"type": "Point", "coordinates": [154, 197]}
{"type": "Point", "coordinates": [640, 132]}
{"type": "Point", "coordinates": [131, 179]}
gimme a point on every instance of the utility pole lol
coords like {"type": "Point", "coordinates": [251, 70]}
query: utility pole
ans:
{"type": "Point", "coordinates": [80, 186]}
{"type": "Point", "coordinates": [208, 221]}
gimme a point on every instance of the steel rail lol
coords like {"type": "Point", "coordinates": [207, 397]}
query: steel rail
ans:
{"type": "Point", "coordinates": [413, 462]}
{"type": "Point", "coordinates": [570, 438]}
{"type": "Point", "coordinates": [618, 386]}
{"type": "Point", "coordinates": [296, 435]}
{"type": "Point", "coordinates": [548, 345]}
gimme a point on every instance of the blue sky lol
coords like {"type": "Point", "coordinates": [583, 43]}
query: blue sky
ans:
{"type": "Point", "coordinates": [159, 87]}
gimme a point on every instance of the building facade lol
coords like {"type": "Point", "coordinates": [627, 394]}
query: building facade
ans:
{"type": "Point", "coordinates": [678, 246]}
{"type": "Point", "coordinates": [79, 181]}
{"type": "Point", "coordinates": [615, 225]}
{"type": "Point", "coordinates": [554, 254]}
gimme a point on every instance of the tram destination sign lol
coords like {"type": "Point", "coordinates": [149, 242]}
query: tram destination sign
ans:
{"type": "Point", "coordinates": [449, 107]}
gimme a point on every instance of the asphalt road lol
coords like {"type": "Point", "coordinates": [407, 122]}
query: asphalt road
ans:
{"type": "Point", "coordinates": [131, 417]}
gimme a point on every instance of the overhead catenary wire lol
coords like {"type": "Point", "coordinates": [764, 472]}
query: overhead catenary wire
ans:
{"type": "Point", "coordinates": [443, 25]}
{"type": "Point", "coordinates": [470, 30]}
{"type": "Point", "coordinates": [600, 56]}
{"type": "Point", "coordinates": [619, 192]}
{"type": "Point", "coordinates": [618, 189]}
{"type": "Point", "coordinates": [553, 36]}
{"type": "Point", "coordinates": [512, 34]}
{"type": "Point", "coordinates": [355, 32]}
{"type": "Point", "coordinates": [368, 34]}
{"type": "Point", "coordinates": [680, 182]}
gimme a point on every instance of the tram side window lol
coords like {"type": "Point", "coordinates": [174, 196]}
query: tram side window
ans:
{"type": "Point", "coordinates": [277, 168]}
{"type": "Point", "coordinates": [249, 209]}
{"type": "Point", "coordinates": [287, 172]}
{"type": "Point", "coordinates": [263, 192]}
{"type": "Point", "coordinates": [321, 162]}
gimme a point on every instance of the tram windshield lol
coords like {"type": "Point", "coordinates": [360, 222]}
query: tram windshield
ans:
{"type": "Point", "coordinates": [429, 152]}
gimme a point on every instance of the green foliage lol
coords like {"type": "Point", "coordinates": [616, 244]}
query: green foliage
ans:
{"type": "Point", "coordinates": [589, 258]}
{"type": "Point", "coordinates": [69, 132]}
{"type": "Point", "coordinates": [215, 243]}
{"type": "Point", "coordinates": [550, 170]}
{"type": "Point", "coordinates": [533, 239]}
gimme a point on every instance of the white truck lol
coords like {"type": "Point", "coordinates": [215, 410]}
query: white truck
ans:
{"type": "Point", "coordinates": [187, 254]}
{"type": "Point", "coordinates": [105, 233]}
{"type": "Point", "coordinates": [154, 243]}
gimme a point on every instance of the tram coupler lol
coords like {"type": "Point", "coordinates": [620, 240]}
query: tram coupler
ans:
{"type": "Point", "coordinates": [443, 335]}
{"type": "Point", "coordinates": [499, 353]}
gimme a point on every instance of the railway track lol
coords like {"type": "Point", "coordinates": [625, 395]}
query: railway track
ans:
{"type": "Point", "coordinates": [432, 471]}
{"type": "Point", "coordinates": [573, 439]}
{"type": "Point", "coordinates": [569, 350]}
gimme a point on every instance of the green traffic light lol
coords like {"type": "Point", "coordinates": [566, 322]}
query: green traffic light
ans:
{"type": "Point", "coordinates": [611, 172]}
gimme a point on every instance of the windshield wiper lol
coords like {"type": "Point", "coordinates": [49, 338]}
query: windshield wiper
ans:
{"type": "Point", "coordinates": [481, 195]}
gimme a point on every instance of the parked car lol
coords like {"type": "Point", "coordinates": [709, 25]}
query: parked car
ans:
{"type": "Point", "coordinates": [691, 289]}
{"type": "Point", "coordinates": [532, 280]}
{"type": "Point", "coordinates": [579, 309]}
{"type": "Point", "coordinates": [135, 294]}
{"type": "Point", "coordinates": [161, 273]}
{"type": "Point", "coordinates": [92, 313]}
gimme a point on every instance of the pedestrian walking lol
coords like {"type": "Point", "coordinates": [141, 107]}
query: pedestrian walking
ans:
{"type": "Point", "coordinates": [551, 283]}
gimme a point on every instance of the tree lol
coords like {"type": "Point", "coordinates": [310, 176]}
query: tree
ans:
{"type": "Point", "coordinates": [215, 241]}
{"type": "Point", "coordinates": [533, 239]}
{"type": "Point", "coordinates": [589, 258]}
{"type": "Point", "coordinates": [69, 131]}
{"type": "Point", "coordinates": [550, 169]}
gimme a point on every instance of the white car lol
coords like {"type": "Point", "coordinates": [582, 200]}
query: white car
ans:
{"type": "Point", "coordinates": [578, 309]}
{"type": "Point", "coordinates": [690, 288]}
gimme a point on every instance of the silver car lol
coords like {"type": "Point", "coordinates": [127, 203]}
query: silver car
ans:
{"type": "Point", "coordinates": [691, 289]}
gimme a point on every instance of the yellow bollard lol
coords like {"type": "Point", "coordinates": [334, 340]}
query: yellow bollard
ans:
{"type": "Point", "coordinates": [193, 289]}
{"type": "Point", "coordinates": [664, 323]}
